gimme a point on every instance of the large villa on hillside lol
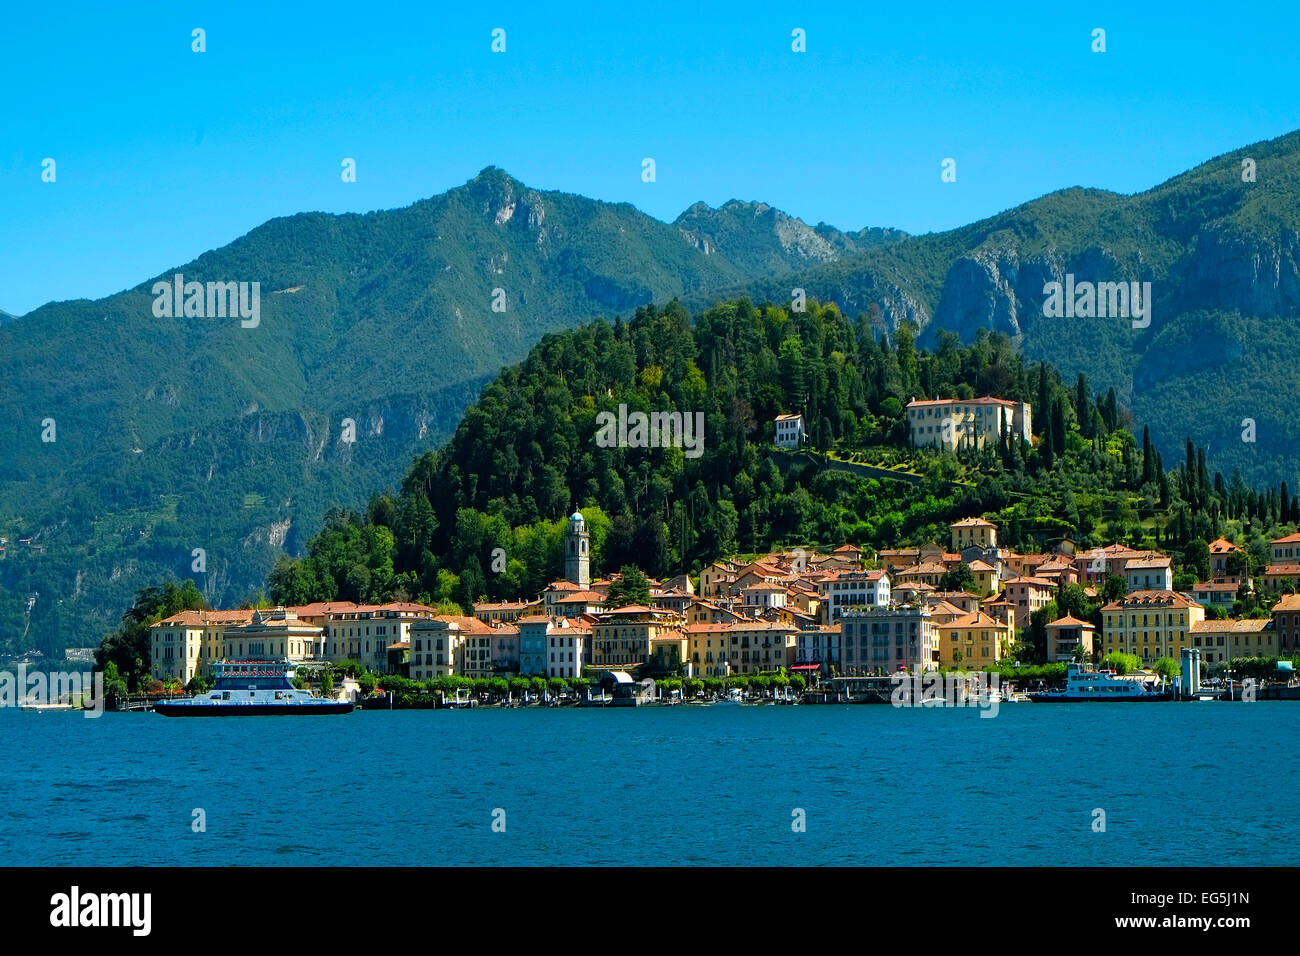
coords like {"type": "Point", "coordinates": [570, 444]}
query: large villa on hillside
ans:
{"type": "Point", "coordinates": [952, 423]}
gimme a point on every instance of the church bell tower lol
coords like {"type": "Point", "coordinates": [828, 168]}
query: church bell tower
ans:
{"type": "Point", "coordinates": [577, 552]}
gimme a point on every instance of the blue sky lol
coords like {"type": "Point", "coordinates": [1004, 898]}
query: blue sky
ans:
{"type": "Point", "coordinates": [163, 153]}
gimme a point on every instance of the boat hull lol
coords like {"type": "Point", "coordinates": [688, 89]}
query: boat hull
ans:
{"type": "Point", "coordinates": [1142, 699]}
{"type": "Point", "coordinates": [182, 709]}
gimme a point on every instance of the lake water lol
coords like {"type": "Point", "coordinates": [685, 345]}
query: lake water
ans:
{"type": "Point", "coordinates": [1180, 784]}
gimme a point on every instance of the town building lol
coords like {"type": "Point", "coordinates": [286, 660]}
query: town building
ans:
{"type": "Point", "coordinates": [186, 644]}
{"type": "Point", "coordinates": [881, 640]}
{"type": "Point", "coordinates": [1220, 550]}
{"type": "Point", "coordinates": [1151, 572]}
{"type": "Point", "coordinates": [817, 650]}
{"type": "Point", "coordinates": [504, 612]}
{"type": "Point", "coordinates": [974, 641]}
{"type": "Point", "coordinates": [951, 423]}
{"type": "Point", "coordinates": [364, 632]}
{"type": "Point", "coordinates": [790, 431]}
{"type": "Point", "coordinates": [567, 642]}
{"type": "Point", "coordinates": [1150, 624]}
{"type": "Point", "coordinates": [622, 637]}
{"type": "Point", "coordinates": [1226, 639]}
{"type": "Point", "coordinates": [1027, 595]}
{"type": "Point", "coordinates": [1286, 623]}
{"type": "Point", "coordinates": [975, 532]}
{"type": "Point", "coordinates": [1066, 635]}
{"type": "Point", "coordinates": [841, 590]}
{"type": "Point", "coordinates": [439, 647]}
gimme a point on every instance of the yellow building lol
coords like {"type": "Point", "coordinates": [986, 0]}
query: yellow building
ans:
{"type": "Point", "coordinates": [364, 632]}
{"type": "Point", "coordinates": [622, 638]}
{"type": "Point", "coordinates": [273, 635]}
{"type": "Point", "coordinates": [974, 641]}
{"type": "Point", "coordinates": [716, 580]}
{"type": "Point", "coordinates": [986, 576]}
{"type": "Point", "coordinates": [1065, 635]}
{"type": "Point", "coordinates": [1150, 624]}
{"type": "Point", "coordinates": [951, 423]}
{"type": "Point", "coordinates": [1225, 639]}
{"type": "Point", "coordinates": [748, 647]}
{"type": "Point", "coordinates": [1027, 594]}
{"type": "Point", "coordinates": [186, 644]}
{"type": "Point", "coordinates": [438, 647]}
{"type": "Point", "coordinates": [973, 533]}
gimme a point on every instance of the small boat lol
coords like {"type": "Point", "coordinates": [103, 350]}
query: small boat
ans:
{"type": "Point", "coordinates": [1082, 685]}
{"type": "Point", "coordinates": [40, 708]}
{"type": "Point", "coordinates": [252, 688]}
{"type": "Point", "coordinates": [733, 698]}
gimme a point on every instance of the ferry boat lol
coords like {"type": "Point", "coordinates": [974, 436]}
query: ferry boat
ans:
{"type": "Point", "coordinates": [250, 689]}
{"type": "Point", "coordinates": [1088, 685]}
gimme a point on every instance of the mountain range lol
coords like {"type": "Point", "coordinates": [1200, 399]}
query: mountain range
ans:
{"type": "Point", "coordinates": [196, 442]}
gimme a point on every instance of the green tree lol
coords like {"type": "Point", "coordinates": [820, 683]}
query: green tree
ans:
{"type": "Point", "coordinates": [631, 587]}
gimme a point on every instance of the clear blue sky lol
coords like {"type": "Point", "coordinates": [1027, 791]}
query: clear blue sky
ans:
{"type": "Point", "coordinates": [163, 153]}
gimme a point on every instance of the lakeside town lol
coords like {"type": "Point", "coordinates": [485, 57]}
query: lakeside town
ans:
{"type": "Point", "coordinates": [801, 615]}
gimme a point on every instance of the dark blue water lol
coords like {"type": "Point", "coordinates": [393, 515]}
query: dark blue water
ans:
{"type": "Point", "coordinates": [1181, 784]}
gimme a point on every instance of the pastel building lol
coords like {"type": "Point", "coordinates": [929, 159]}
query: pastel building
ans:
{"type": "Point", "coordinates": [186, 644]}
{"type": "Point", "coordinates": [974, 641]}
{"type": "Point", "coordinates": [790, 431]}
{"type": "Point", "coordinates": [841, 590]}
{"type": "Point", "coordinates": [1152, 572]}
{"type": "Point", "coordinates": [365, 632]}
{"type": "Point", "coordinates": [621, 638]}
{"type": "Point", "coordinates": [886, 639]}
{"type": "Point", "coordinates": [949, 423]}
{"type": "Point", "coordinates": [1226, 639]}
{"type": "Point", "coordinates": [1150, 624]}
{"type": "Point", "coordinates": [1066, 635]}
{"type": "Point", "coordinates": [973, 532]}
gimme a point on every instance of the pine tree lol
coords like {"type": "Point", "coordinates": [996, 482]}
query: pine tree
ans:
{"type": "Point", "coordinates": [1148, 463]}
{"type": "Point", "coordinates": [1082, 406]}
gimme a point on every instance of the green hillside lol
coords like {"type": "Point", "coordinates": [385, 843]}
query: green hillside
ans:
{"type": "Point", "coordinates": [176, 434]}
{"type": "Point", "coordinates": [483, 516]}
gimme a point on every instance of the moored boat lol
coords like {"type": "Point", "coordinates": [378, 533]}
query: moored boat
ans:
{"type": "Point", "coordinates": [1083, 685]}
{"type": "Point", "coordinates": [252, 689]}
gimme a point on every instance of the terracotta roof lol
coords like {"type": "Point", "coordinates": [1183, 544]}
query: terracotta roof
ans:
{"type": "Point", "coordinates": [205, 618]}
{"type": "Point", "coordinates": [972, 523]}
{"type": "Point", "coordinates": [1290, 602]}
{"type": "Point", "coordinates": [1071, 621]}
{"type": "Point", "coordinates": [986, 400]}
{"type": "Point", "coordinates": [1030, 581]}
{"type": "Point", "coordinates": [1289, 539]}
{"type": "Point", "coordinates": [582, 597]}
{"type": "Point", "coordinates": [1245, 625]}
{"type": "Point", "coordinates": [740, 626]}
{"type": "Point", "coordinates": [1148, 562]}
{"type": "Point", "coordinates": [1151, 598]}
{"type": "Point", "coordinates": [974, 619]}
{"type": "Point", "coordinates": [1222, 546]}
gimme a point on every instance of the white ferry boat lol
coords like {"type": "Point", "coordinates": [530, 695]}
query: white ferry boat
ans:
{"type": "Point", "coordinates": [251, 689]}
{"type": "Point", "coordinates": [1088, 685]}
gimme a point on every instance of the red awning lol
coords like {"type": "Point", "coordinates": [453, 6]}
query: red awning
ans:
{"type": "Point", "coordinates": [806, 667]}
